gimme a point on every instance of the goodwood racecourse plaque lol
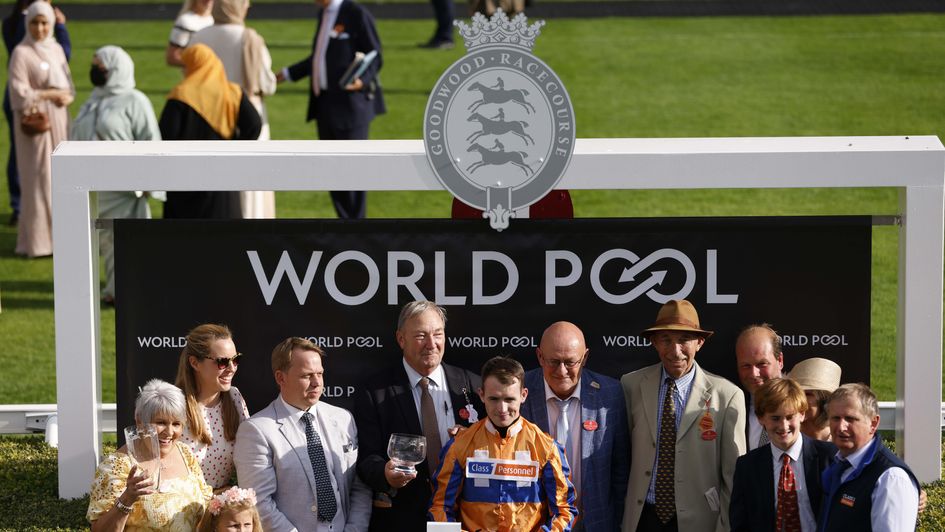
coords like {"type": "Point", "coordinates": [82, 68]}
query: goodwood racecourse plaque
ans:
{"type": "Point", "coordinates": [499, 126]}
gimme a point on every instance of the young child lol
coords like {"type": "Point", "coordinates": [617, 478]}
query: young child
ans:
{"type": "Point", "coordinates": [233, 510]}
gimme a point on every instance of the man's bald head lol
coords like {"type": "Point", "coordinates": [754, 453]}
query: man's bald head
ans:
{"type": "Point", "coordinates": [562, 353]}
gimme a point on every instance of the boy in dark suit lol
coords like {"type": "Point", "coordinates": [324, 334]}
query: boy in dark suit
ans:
{"type": "Point", "coordinates": [342, 113]}
{"type": "Point", "coordinates": [777, 486]}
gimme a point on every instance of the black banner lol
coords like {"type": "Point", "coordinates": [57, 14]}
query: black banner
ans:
{"type": "Point", "coordinates": [342, 285]}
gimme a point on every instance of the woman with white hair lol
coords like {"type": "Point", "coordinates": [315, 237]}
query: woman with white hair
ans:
{"type": "Point", "coordinates": [125, 498]}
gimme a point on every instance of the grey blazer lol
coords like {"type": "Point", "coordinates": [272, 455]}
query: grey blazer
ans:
{"type": "Point", "coordinates": [271, 456]}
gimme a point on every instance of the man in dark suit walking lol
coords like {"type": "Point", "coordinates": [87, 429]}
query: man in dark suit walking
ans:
{"type": "Point", "coordinates": [778, 486]}
{"type": "Point", "coordinates": [416, 395]}
{"type": "Point", "coordinates": [586, 413]}
{"type": "Point", "coordinates": [342, 113]}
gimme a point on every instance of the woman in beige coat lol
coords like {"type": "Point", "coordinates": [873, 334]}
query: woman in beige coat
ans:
{"type": "Point", "coordinates": [39, 82]}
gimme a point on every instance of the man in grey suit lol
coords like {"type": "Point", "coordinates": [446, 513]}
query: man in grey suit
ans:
{"type": "Point", "coordinates": [687, 429]}
{"type": "Point", "coordinates": [300, 455]}
{"type": "Point", "coordinates": [593, 429]}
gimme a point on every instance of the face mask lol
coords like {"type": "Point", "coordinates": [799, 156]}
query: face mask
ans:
{"type": "Point", "coordinates": [98, 76]}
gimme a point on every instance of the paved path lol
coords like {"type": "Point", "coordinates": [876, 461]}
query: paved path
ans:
{"type": "Point", "coordinates": [569, 9]}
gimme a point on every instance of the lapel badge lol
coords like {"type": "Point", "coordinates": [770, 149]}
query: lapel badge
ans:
{"type": "Point", "coordinates": [595, 385]}
{"type": "Point", "coordinates": [590, 425]}
{"type": "Point", "coordinates": [847, 500]}
{"type": "Point", "coordinates": [469, 414]}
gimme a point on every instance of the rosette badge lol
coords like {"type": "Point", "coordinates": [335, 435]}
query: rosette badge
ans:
{"type": "Point", "coordinates": [499, 126]}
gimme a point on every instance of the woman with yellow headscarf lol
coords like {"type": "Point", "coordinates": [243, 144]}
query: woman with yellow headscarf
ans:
{"type": "Point", "coordinates": [206, 106]}
{"type": "Point", "coordinates": [247, 62]}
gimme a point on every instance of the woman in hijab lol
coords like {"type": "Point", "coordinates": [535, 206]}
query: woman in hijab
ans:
{"type": "Point", "coordinates": [40, 82]}
{"type": "Point", "coordinates": [247, 62]}
{"type": "Point", "coordinates": [13, 29]}
{"type": "Point", "coordinates": [115, 111]}
{"type": "Point", "coordinates": [206, 106]}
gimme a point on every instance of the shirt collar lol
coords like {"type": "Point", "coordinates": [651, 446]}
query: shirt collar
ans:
{"type": "Point", "coordinates": [858, 455]}
{"type": "Point", "coordinates": [437, 378]}
{"type": "Point", "coordinates": [550, 394]}
{"type": "Point", "coordinates": [683, 381]}
{"type": "Point", "coordinates": [294, 413]}
{"type": "Point", "coordinates": [794, 451]}
{"type": "Point", "coordinates": [514, 428]}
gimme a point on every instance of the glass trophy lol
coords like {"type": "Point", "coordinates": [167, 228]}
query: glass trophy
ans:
{"type": "Point", "coordinates": [406, 451]}
{"type": "Point", "coordinates": [145, 450]}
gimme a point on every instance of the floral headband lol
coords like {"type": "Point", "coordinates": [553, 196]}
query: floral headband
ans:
{"type": "Point", "coordinates": [233, 495]}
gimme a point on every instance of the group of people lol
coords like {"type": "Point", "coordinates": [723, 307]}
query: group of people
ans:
{"type": "Point", "coordinates": [559, 447]}
{"type": "Point", "coordinates": [227, 73]}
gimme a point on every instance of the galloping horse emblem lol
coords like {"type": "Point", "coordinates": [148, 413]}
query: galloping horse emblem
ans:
{"type": "Point", "coordinates": [499, 127]}
{"type": "Point", "coordinates": [490, 157]}
{"type": "Point", "coordinates": [490, 95]}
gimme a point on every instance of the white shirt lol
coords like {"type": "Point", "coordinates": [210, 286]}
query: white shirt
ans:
{"type": "Point", "coordinates": [754, 426]}
{"type": "Point", "coordinates": [895, 498]}
{"type": "Point", "coordinates": [332, 13]}
{"type": "Point", "coordinates": [295, 416]}
{"type": "Point", "coordinates": [574, 427]}
{"type": "Point", "coordinates": [808, 520]}
{"type": "Point", "coordinates": [441, 398]}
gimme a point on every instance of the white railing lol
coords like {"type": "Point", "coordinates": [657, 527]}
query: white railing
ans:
{"type": "Point", "coordinates": [915, 165]}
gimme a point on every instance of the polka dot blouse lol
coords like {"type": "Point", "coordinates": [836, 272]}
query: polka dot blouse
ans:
{"type": "Point", "coordinates": [216, 459]}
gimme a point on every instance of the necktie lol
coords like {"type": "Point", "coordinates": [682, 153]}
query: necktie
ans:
{"type": "Point", "coordinates": [319, 56]}
{"type": "Point", "coordinates": [666, 462]}
{"type": "Point", "coordinates": [431, 429]}
{"type": "Point", "coordinates": [789, 515]}
{"type": "Point", "coordinates": [763, 439]}
{"type": "Point", "coordinates": [327, 506]}
{"type": "Point", "coordinates": [563, 427]}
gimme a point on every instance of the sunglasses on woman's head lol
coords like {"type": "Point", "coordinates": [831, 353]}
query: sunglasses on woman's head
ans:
{"type": "Point", "coordinates": [223, 362]}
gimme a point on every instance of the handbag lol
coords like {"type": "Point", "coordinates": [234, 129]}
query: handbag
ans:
{"type": "Point", "coordinates": [35, 122]}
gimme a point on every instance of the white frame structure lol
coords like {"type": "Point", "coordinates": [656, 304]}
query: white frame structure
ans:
{"type": "Point", "coordinates": [914, 165]}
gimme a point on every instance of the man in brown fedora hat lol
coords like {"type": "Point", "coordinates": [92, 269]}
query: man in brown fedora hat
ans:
{"type": "Point", "coordinates": [759, 358]}
{"type": "Point", "coordinates": [687, 431]}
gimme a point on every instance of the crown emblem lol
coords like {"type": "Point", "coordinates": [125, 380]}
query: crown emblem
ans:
{"type": "Point", "coordinates": [499, 30]}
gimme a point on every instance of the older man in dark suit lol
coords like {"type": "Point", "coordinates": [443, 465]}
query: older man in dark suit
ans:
{"type": "Point", "coordinates": [342, 113]}
{"type": "Point", "coordinates": [586, 413]}
{"type": "Point", "coordinates": [416, 395]}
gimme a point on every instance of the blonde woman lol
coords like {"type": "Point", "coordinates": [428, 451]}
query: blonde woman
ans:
{"type": "Point", "coordinates": [193, 17]}
{"type": "Point", "coordinates": [215, 407]}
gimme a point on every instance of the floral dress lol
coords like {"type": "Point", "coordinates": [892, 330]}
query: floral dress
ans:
{"type": "Point", "coordinates": [176, 506]}
{"type": "Point", "coordinates": [216, 459]}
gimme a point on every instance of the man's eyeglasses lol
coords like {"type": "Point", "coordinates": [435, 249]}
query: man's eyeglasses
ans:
{"type": "Point", "coordinates": [223, 362]}
{"type": "Point", "coordinates": [570, 364]}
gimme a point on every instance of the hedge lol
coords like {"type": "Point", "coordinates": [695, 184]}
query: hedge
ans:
{"type": "Point", "coordinates": [29, 500]}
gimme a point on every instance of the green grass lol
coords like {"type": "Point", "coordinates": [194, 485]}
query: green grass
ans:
{"type": "Point", "coordinates": [652, 77]}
